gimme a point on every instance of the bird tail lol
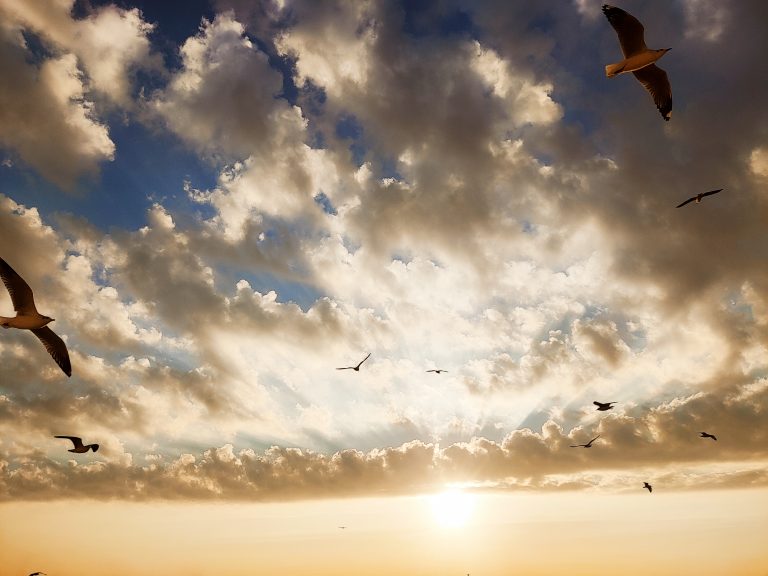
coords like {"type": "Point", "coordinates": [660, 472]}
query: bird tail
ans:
{"type": "Point", "coordinates": [614, 69]}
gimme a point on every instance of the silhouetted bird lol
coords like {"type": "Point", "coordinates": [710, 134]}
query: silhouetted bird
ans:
{"type": "Point", "coordinates": [437, 371]}
{"type": "Point", "coordinates": [28, 318]}
{"type": "Point", "coordinates": [707, 435]}
{"type": "Point", "coordinates": [587, 445]}
{"type": "Point", "coordinates": [79, 448]}
{"type": "Point", "coordinates": [648, 486]}
{"type": "Point", "coordinates": [342, 527]}
{"type": "Point", "coordinates": [603, 406]}
{"type": "Point", "coordinates": [355, 368]}
{"type": "Point", "coordinates": [639, 59]}
{"type": "Point", "coordinates": [38, 574]}
{"type": "Point", "coordinates": [698, 197]}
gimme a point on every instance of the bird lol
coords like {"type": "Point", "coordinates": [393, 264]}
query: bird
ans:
{"type": "Point", "coordinates": [342, 527]}
{"type": "Point", "coordinates": [79, 448]}
{"type": "Point", "coordinates": [587, 445]}
{"type": "Point", "coordinates": [603, 406]}
{"type": "Point", "coordinates": [355, 368]}
{"type": "Point", "coordinates": [28, 318]}
{"type": "Point", "coordinates": [38, 574]}
{"type": "Point", "coordinates": [707, 435]}
{"type": "Point", "coordinates": [639, 59]}
{"type": "Point", "coordinates": [437, 371]}
{"type": "Point", "coordinates": [648, 486]}
{"type": "Point", "coordinates": [698, 197]}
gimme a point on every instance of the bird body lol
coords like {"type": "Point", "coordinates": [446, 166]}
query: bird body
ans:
{"type": "Point", "coordinates": [79, 447]}
{"type": "Point", "coordinates": [698, 197]}
{"type": "Point", "coordinates": [707, 435]}
{"type": "Point", "coordinates": [639, 59]}
{"type": "Point", "coordinates": [603, 406]}
{"type": "Point", "coordinates": [356, 368]}
{"type": "Point", "coordinates": [28, 318]}
{"type": "Point", "coordinates": [648, 487]}
{"type": "Point", "coordinates": [587, 445]}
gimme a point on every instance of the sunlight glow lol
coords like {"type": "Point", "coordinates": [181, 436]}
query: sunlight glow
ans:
{"type": "Point", "coordinates": [452, 508]}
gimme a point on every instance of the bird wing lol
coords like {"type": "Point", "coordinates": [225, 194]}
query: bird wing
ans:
{"type": "Point", "coordinates": [78, 442]}
{"type": "Point", "coordinates": [56, 348]}
{"type": "Point", "coordinates": [593, 439]}
{"type": "Point", "coordinates": [712, 192]}
{"type": "Point", "coordinates": [686, 202]}
{"type": "Point", "coordinates": [20, 292]}
{"type": "Point", "coordinates": [346, 368]}
{"type": "Point", "coordinates": [628, 28]}
{"type": "Point", "coordinates": [655, 80]}
{"type": "Point", "coordinates": [364, 359]}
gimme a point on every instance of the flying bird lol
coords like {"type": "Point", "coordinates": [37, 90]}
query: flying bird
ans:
{"type": "Point", "coordinates": [28, 318]}
{"type": "Point", "coordinates": [603, 406]}
{"type": "Point", "coordinates": [707, 435]}
{"type": "Point", "coordinates": [355, 368]}
{"type": "Point", "coordinates": [698, 197]}
{"type": "Point", "coordinates": [648, 486]}
{"type": "Point", "coordinates": [587, 445]}
{"type": "Point", "coordinates": [639, 59]}
{"type": "Point", "coordinates": [38, 574]}
{"type": "Point", "coordinates": [79, 448]}
{"type": "Point", "coordinates": [437, 371]}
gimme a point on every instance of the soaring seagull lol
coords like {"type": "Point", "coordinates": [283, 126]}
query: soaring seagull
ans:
{"type": "Point", "coordinates": [437, 371]}
{"type": "Point", "coordinates": [603, 406]}
{"type": "Point", "coordinates": [38, 574]}
{"type": "Point", "coordinates": [648, 486]}
{"type": "Point", "coordinates": [639, 59]}
{"type": "Point", "coordinates": [707, 435]}
{"type": "Point", "coordinates": [355, 368]}
{"type": "Point", "coordinates": [28, 318]}
{"type": "Point", "coordinates": [698, 197]}
{"type": "Point", "coordinates": [79, 448]}
{"type": "Point", "coordinates": [587, 445]}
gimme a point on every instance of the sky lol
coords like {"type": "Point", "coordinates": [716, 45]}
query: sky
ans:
{"type": "Point", "coordinates": [223, 202]}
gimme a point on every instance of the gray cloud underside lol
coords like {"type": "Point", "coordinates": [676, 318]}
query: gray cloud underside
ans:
{"type": "Point", "coordinates": [650, 443]}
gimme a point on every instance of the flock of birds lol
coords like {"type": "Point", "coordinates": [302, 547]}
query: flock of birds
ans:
{"type": "Point", "coordinates": [638, 59]}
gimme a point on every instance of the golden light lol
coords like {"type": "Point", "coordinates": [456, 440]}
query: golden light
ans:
{"type": "Point", "coordinates": [452, 508]}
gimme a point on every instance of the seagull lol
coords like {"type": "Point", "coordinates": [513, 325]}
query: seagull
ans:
{"type": "Point", "coordinates": [646, 485]}
{"type": "Point", "coordinates": [342, 527]}
{"type": "Point", "coordinates": [587, 445]}
{"type": "Point", "coordinates": [698, 197]}
{"type": "Point", "coordinates": [603, 406]}
{"type": "Point", "coordinates": [28, 318]}
{"type": "Point", "coordinates": [707, 435]}
{"type": "Point", "coordinates": [437, 371]}
{"type": "Point", "coordinates": [639, 59]}
{"type": "Point", "coordinates": [38, 574]}
{"type": "Point", "coordinates": [355, 368]}
{"type": "Point", "coordinates": [79, 448]}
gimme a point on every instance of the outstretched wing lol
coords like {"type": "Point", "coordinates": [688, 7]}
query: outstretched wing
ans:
{"type": "Point", "coordinates": [686, 202]}
{"type": "Point", "coordinates": [56, 348]}
{"type": "Point", "coordinates": [628, 28]}
{"type": "Point", "coordinates": [364, 359]}
{"type": "Point", "coordinates": [78, 442]}
{"type": "Point", "coordinates": [711, 192]}
{"type": "Point", "coordinates": [21, 293]}
{"type": "Point", "coordinates": [655, 80]}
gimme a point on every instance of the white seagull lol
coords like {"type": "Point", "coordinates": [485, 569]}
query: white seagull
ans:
{"type": "Point", "coordinates": [79, 447]}
{"type": "Point", "coordinates": [639, 59]}
{"type": "Point", "coordinates": [28, 318]}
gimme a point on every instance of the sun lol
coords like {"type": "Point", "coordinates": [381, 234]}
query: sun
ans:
{"type": "Point", "coordinates": [452, 508]}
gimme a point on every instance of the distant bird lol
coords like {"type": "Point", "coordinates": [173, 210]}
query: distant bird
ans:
{"type": "Point", "coordinates": [603, 406]}
{"type": "Point", "coordinates": [38, 574]}
{"type": "Point", "coordinates": [342, 527]}
{"type": "Point", "coordinates": [587, 445]}
{"type": "Point", "coordinates": [355, 368]}
{"type": "Point", "coordinates": [707, 435]}
{"type": "Point", "coordinates": [28, 318]}
{"type": "Point", "coordinates": [639, 59]}
{"type": "Point", "coordinates": [79, 448]}
{"type": "Point", "coordinates": [698, 197]}
{"type": "Point", "coordinates": [648, 486]}
{"type": "Point", "coordinates": [437, 371]}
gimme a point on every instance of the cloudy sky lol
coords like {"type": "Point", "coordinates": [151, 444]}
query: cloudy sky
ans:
{"type": "Point", "coordinates": [222, 202]}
